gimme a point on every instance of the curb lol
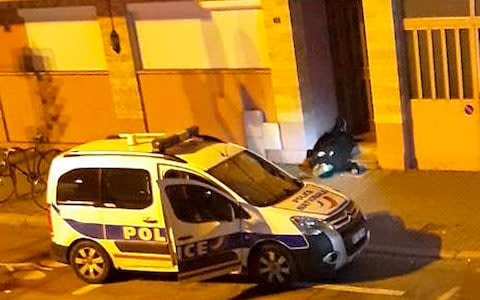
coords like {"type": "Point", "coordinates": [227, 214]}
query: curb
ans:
{"type": "Point", "coordinates": [22, 219]}
{"type": "Point", "coordinates": [40, 251]}
{"type": "Point", "coordinates": [423, 252]}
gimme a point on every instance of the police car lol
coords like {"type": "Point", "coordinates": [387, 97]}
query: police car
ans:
{"type": "Point", "coordinates": [196, 206]}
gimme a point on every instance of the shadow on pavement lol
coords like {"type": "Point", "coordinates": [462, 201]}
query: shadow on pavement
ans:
{"type": "Point", "coordinates": [394, 250]}
{"type": "Point", "coordinates": [408, 251]}
{"type": "Point", "coordinates": [259, 291]}
{"type": "Point", "coordinates": [124, 276]}
{"type": "Point", "coordinates": [387, 232]}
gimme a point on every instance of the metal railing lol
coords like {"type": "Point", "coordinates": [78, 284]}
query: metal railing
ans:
{"type": "Point", "coordinates": [443, 57]}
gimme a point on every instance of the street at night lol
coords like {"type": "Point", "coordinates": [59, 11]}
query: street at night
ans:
{"type": "Point", "coordinates": [422, 251]}
{"type": "Point", "coordinates": [372, 276]}
{"type": "Point", "coordinates": [239, 149]}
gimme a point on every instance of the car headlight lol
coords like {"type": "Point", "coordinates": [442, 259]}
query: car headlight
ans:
{"type": "Point", "coordinates": [310, 226]}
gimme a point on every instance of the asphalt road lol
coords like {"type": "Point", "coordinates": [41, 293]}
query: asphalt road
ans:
{"type": "Point", "coordinates": [371, 276]}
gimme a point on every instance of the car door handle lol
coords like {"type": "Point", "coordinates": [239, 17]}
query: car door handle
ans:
{"type": "Point", "coordinates": [185, 237]}
{"type": "Point", "coordinates": [149, 220]}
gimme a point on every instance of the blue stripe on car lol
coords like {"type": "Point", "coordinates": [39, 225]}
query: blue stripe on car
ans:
{"type": "Point", "coordinates": [223, 243]}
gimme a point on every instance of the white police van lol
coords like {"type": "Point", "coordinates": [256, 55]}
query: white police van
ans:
{"type": "Point", "coordinates": [195, 206]}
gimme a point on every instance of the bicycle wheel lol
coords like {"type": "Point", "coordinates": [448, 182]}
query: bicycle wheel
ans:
{"type": "Point", "coordinates": [25, 162]}
{"type": "Point", "coordinates": [45, 160]}
{"type": "Point", "coordinates": [7, 187]}
{"type": "Point", "coordinates": [7, 181]}
{"type": "Point", "coordinates": [37, 193]}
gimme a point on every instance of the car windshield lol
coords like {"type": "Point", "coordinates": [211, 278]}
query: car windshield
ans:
{"type": "Point", "coordinates": [256, 180]}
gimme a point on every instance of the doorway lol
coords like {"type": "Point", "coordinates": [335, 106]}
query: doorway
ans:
{"type": "Point", "coordinates": [351, 74]}
{"type": "Point", "coordinates": [332, 67]}
{"type": "Point", "coordinates": [350, 65]}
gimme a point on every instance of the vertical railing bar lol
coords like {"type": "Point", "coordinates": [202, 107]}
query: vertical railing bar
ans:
{"type": "Point", "coordinates": [431, 64]}
{"type": "Point", "coordinates": [446, 75]}
{"type": "Point", "coordinates": [458, 56]}
{"type": "Point", "coordinates": [474, 59]}
{"type": "Point", "coordinates": [418, 70]}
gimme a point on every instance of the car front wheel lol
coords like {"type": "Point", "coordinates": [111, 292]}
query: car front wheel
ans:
{"type": "Point", "coordinates": [272, 265]}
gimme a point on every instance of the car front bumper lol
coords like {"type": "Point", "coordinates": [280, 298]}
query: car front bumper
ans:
{"type": "Point", "coordinates": [332, 249]}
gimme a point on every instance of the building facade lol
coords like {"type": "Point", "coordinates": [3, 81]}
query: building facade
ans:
{"type": "Point", "coordinates": [270, 74]}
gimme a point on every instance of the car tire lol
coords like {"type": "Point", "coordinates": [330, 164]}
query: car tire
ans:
{"type": "Point", "coordinates": [273, 266]}
{"type": "Point", "coordinates": [90, 262]}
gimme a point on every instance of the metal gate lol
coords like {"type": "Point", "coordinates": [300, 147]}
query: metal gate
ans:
{"type": "Point", "coordinates": [443, 57]}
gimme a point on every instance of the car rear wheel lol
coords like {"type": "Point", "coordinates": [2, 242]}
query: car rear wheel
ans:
{"type": "Point", "coordinates": [90, 262]}
{"type": "Point", "coordinates": [272, 265]}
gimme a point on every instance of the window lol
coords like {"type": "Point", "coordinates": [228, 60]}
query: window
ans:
{"type": "Point", "coordinates": [196, 204]}
{"type": "Point", "coordinates": [256, 180]}
{"type": "Point", "coordinates": [126, 188]}
{"type": "Point", "coordinates": [80, 186]}
{"type": "Point", "coordinates": [177, 174]}
{"type": "Point", "coordinates": [121, 188]}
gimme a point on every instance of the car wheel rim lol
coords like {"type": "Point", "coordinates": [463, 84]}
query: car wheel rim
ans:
{"type": "Point", "coordinates": [274, 267]}
{"type": "Point", "coordinates": [89, 263]}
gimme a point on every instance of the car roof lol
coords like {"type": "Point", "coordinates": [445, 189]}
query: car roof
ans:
{"type": "Point", "coordinates": [197, 152]}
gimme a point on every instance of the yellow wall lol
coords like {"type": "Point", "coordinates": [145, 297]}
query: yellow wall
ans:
{"type": "Point", "coordinates": [60, 35]}
{"type": "Point", "coordinates": [225, 51]}
{"type": "Point", "coordinates": [286, 86]}
{"type": "Point", "coordinates": [445, 137]}
{"type": "Point", "coordinates": [384, 82]}
{"type": "Point", "coordinates": [13, 43]}
{"type": "Point", "coordinates": [185, 35]}
{"type": "Point", "coordinates": [84, 103]}
{"type": "Point", "coordinates": [83, 90]}
{"type": "Point", "coordinates": [214, 100]}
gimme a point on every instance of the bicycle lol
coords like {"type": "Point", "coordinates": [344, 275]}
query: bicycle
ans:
{"type": "Point", "coordinates": [33, 163]}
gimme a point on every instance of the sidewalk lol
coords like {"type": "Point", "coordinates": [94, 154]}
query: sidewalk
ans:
{"type": "Point", "coordinates": [430, 214]}
{"type": "Point", "coordinates": [24, 236]}
{"type": "Point", "coordinates": [23, 231]}
{"type": "Point", "coordinates": [22, 211]}
{"type": "Point", "coordinates": [419, 213]}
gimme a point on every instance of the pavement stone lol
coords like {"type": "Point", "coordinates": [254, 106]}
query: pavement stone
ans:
{"type": "Point", "coordinates": [23, 211]}
{"type": "Point", "coordinates": [18, 244]}
{"type": "Point", "coordinates": [23, 243]}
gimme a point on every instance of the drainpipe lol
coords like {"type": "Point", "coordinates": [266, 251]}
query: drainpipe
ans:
{"type": "Point", "coordinates": [410, 161]}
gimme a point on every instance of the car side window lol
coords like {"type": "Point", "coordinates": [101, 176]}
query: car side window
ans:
{"type": "Point", "coordinates": [177, 174]}
{"type": "Point", "coordinates": [79, 186]}
{"type": "Point", "coordinates": [126, 188]}
{"type": "Point", "coordinates": [196, 204]}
